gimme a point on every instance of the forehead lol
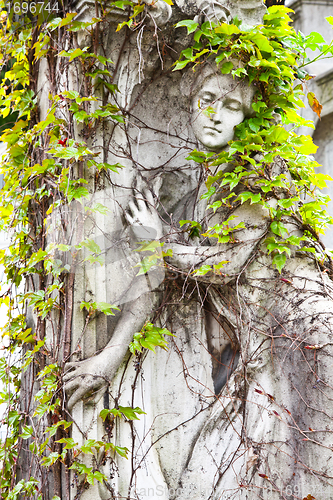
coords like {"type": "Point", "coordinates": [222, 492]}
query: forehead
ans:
{"type": "Point", "coordinates": [221, 86]}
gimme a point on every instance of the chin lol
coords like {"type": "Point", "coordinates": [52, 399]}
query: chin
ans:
{"type": "Point", "coordinates": [217, 148]}
{"type": "Point", "coordinates": [211, 144]}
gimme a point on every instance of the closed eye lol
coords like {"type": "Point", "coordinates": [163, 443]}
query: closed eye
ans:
{"type": "Point", "coordinates": [206, 98]}
{"type": "Point", "coordinates": [233, 105]}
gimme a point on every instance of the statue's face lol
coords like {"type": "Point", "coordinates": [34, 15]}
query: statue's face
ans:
{"type": "Point", "coordinates": [216, 109]}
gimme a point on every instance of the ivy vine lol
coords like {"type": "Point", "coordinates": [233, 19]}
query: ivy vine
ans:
{"type": "Point", "coordinates": [44, 168]}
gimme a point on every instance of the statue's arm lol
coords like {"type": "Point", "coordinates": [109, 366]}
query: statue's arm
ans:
{"type": "Point", "coordinates": [90, 376]}
{"type": "Point", "coordinates": [190, 258]}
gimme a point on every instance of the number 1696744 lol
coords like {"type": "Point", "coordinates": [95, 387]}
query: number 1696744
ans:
{"type": "Point", "coordinates": [33, 8]}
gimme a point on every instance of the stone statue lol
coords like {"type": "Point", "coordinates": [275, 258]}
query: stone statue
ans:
{"type": "Point", "coordinates": [253, 410]}
{"type": "Point", "coordinates": [226, 414]}
{"type": "Point", "coordinates": [231, 102]}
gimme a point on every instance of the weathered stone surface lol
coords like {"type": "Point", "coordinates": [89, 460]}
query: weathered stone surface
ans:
{"type": "Point", "coordinates": [236, 407]}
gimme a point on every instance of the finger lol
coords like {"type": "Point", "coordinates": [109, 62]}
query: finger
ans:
{"type": "Point", "coordinates": [133, 208]}
{"type": "Point", "coordinates": [129, 218]}
{"type": "Point", "coordinates": [72, 385]}
{"type": "Point", "coordinates": [157, 186]}
{"type": "Point", "coordinates": [69, 375]}
{"type": "Point", "coordinates": [70, 369]}
{"type": "Point", "coordinates": [81, 393]}
{"type": "Point", "coordinates": [76, 397]}
{"type": "Point", "coordinates": [71, 364]}
{"type": "Point", "coordinates": [149, 197]}
{"type": "Point", "coordinates": [141, 203]}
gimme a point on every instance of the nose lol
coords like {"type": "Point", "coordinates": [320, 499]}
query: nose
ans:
{"type": "Point", "coordinates": [217, 116]}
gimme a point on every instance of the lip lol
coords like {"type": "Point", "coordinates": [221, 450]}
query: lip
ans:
{"type": "Point", "coordinates": [213, 129]}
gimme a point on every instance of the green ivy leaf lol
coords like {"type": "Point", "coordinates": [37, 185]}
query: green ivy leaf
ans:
{"type": "Point", "coordinates": [50, 459]}
{"type": "Point", "coordinates": [106, 308]}
{"type": "Point", "coordinates": [189, 24]}
{"type": "Point", "coordinates": [279, 261]}
{"type": "Point", "coordinates": [278, 228]}
{"type": "Point", "coordinates": [227, 29]}
{"type": "Point", "coordinates": [227, 67]}
{"type": "Point", "coordinates": [91, 476]}
{"type": "Point", "coordinates": [209, 193]}
{"type": "Point", "coordinates": [122, 451]}
{"type": "Point", "coordinates": [69, 443]}
{"type": "Point", "coordinates": [131, 413]}
{"type": "Point", "coordinates": [27, 432]}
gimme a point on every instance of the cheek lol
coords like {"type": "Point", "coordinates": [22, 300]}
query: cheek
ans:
{"type": "Point", "coordinates": [235, 118]}
{"type": "Point", "coordinates": [197, 119]}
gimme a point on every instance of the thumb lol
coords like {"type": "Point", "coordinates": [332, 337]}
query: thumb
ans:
{"type": "Point", "coordinates": [157, 185]}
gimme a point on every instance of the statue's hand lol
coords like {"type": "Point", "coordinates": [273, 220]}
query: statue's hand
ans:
{"type": "Point", "coordinates": [214, 11]}
{"type": "Point", "coordinates": [84, 379]}
{"type": "Point", "coordinates": [143, 217]}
